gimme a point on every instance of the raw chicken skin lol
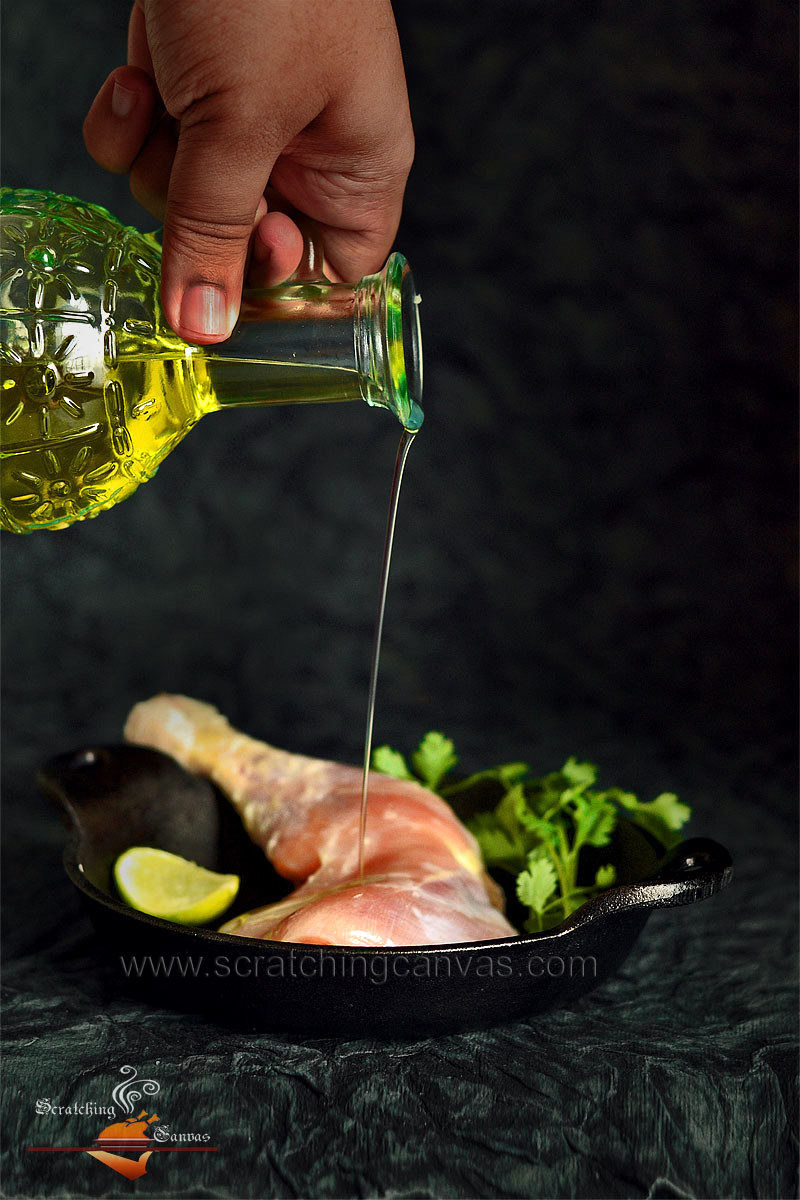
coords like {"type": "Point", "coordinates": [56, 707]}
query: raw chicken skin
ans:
{"type": "Point", "coordinates": [424, 882]}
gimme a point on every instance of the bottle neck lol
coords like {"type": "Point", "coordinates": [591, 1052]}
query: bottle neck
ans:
{"type": "Point", "coordinates": [388, 341]}
{"type": "Point", "coordinates": [322, 342]}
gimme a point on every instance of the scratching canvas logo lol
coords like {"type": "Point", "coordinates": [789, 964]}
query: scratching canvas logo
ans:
{"type": "Point", "coordinates": [129, 1142]}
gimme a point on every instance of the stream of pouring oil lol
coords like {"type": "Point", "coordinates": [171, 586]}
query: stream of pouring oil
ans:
{"type": "Point", "coordinates": [394, 497]}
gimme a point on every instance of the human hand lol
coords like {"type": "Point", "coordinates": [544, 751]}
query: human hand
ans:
{"type": "Point", "coordinates": [220, 98]}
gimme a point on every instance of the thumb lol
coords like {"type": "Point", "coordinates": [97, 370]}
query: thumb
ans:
{"type": "Point", "coordinates": [215, 186]}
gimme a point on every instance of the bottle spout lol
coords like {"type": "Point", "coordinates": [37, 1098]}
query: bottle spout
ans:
{"type": "Point", "coordinates": [388, 341]}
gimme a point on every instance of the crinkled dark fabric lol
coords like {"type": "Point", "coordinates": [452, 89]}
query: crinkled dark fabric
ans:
{"type": "Point", "coordinates": [593, 557]}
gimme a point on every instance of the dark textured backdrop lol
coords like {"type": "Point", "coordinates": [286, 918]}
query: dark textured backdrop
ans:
{"type": "Point", "coordinates": [594, 556]}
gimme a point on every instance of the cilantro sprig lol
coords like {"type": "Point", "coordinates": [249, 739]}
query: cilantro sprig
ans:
{"type": "Point", "coordinates": [541, 825]}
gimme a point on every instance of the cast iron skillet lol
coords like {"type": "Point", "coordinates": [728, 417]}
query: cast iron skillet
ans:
{"type": "Point", "coordinates": [121, 796]}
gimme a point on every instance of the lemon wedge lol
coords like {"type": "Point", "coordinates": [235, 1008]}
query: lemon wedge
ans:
{"type": "Point", "coordinates": [166, 885]}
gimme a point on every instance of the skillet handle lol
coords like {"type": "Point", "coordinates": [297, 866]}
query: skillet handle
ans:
{"type": "Point", "coordinates": [693, 870]}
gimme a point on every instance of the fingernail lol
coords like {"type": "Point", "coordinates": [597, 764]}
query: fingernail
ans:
{"type": "Point", "coordinates": [204, 311]}
{"type": "Point", "coordinates": [122, 100]}
{"type": "Point", "coordinates": [261, 211]}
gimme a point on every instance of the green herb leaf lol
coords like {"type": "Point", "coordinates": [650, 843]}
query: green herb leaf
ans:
{"type": "Point", "coordinates": [536, 884]}
{"type": "Point", "coordinates": [542, 831]}
{"type": "Point", "coordinates": [390, 762]}
{"type": "Point", "coordinates": [510, 809]}
{"type": "Point", "coordinates": [434, 758]}
{"type": "Point", "coordinates": [498, 847]}
{"type": "Point", "coordinates": [579, 774]}
{"type": "Point", "coordinates": [605, 876]}
{"type": "Point", "coordinates": [510, 773]}
{"type": "Point", "coordinates": [662, 817]}
{"type": "Point", "coordinates": [668, 808]}
{"type": "Point", "coordinates": [595, 820]}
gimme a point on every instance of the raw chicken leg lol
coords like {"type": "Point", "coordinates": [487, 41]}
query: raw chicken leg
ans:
{"type": "Point", "coordinates": [424, 882]}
